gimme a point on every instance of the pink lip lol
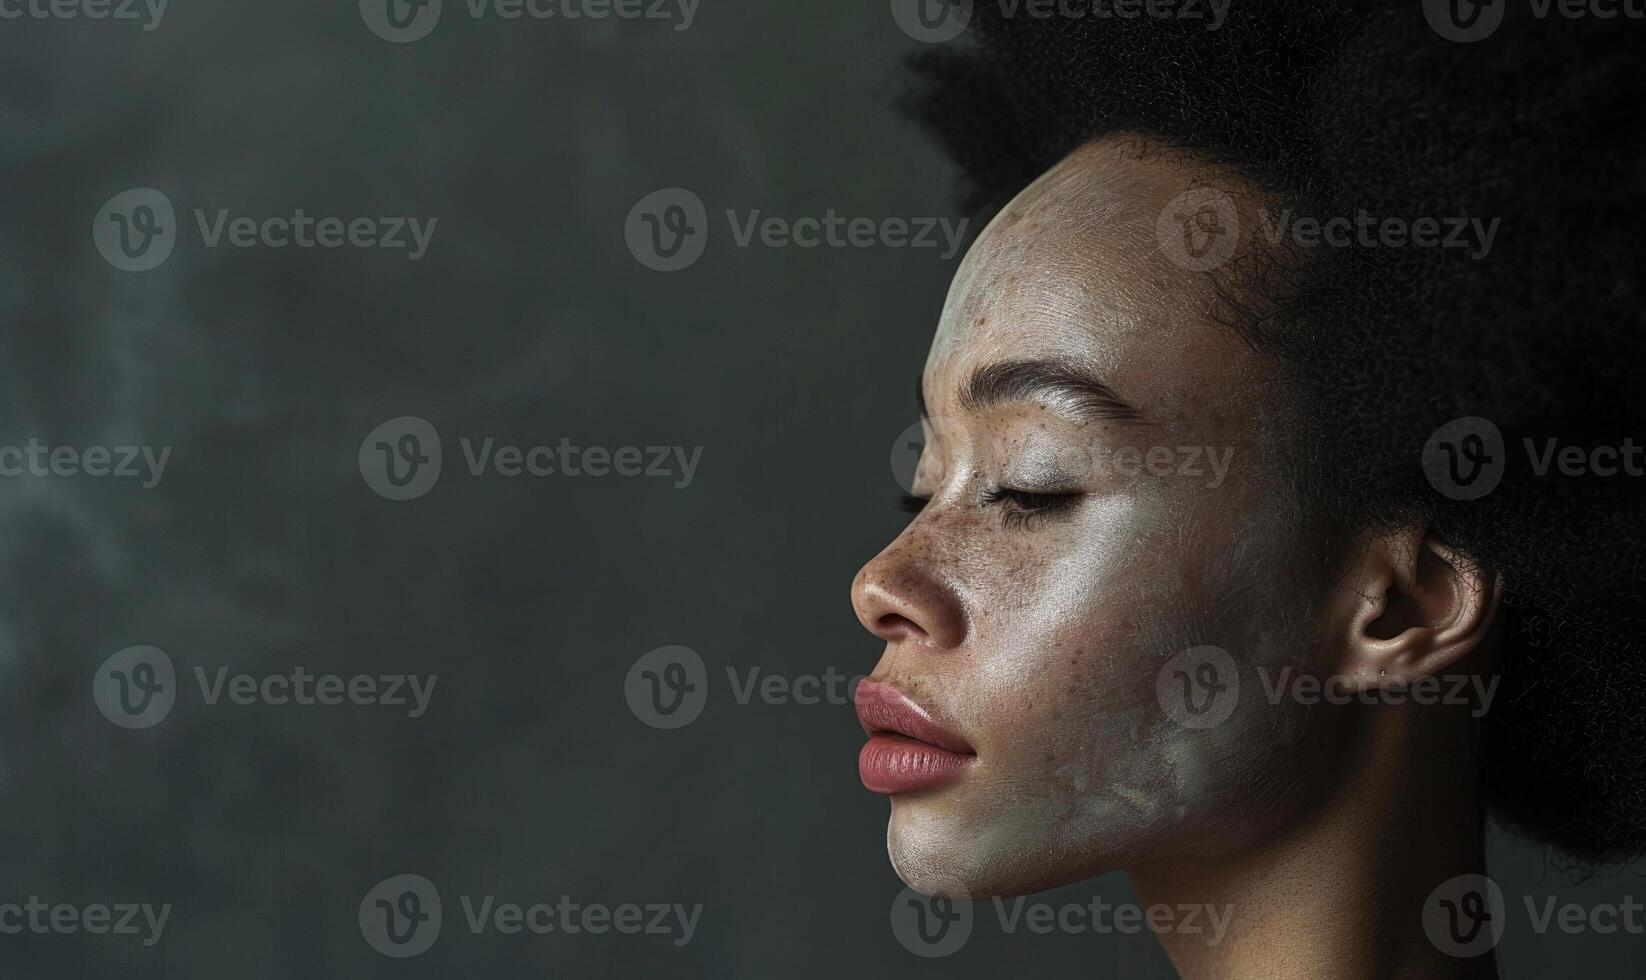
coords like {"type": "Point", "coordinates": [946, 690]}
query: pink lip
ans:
{"type": "Point", "coordinates": [907, 750]}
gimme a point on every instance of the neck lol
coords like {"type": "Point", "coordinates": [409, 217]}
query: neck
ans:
{"type": "Point", "coordinates": [1340, 891]}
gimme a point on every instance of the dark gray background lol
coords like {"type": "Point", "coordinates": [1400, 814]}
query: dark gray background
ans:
{"type": "Point", "coordinates": [263, 549]}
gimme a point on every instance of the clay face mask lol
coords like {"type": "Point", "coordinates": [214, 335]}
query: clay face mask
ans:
{"type": "Point", "coordinates": [1070, 566]}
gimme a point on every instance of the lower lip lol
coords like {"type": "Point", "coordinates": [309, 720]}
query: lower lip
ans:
{"type": "Point", "coordinates": [892, 764]}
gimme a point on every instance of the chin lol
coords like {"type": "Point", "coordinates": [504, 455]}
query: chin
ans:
{"type": "Point", "coordinates": [936, 850]}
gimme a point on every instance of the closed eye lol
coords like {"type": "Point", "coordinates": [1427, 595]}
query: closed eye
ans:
{"type": "Point", "coordinates": [1023, 509]}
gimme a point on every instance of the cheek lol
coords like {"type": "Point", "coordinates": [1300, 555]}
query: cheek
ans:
{"type": "Point", "coordinates": [1074, 728]}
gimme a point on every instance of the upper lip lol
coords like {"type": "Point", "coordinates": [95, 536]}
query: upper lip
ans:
{"type": "Point", "coordinates": [881, 707]}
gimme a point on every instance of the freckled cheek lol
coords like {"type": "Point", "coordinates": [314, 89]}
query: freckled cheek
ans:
{"type": "Point", "coordinates": [1062, 672]}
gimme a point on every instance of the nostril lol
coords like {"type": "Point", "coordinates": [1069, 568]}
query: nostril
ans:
{"type": "Point", "coordinates": [896, 627]}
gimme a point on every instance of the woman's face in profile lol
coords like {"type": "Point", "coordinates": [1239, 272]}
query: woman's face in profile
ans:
{"type": "Point", "coordinates": [1101, 525]}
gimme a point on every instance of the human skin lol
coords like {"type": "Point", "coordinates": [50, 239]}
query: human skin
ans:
{"type": "Point", "coordinates": [1045, 637]}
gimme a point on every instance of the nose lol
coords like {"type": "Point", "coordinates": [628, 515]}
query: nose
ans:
{"type": "Point", "coordinates": [900, 597]}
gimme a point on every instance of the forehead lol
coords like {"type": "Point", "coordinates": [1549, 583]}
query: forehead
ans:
{"type": "Point", "coordinates": [1072, 269]}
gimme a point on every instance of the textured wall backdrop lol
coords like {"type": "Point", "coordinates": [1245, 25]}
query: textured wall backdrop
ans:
{"type": "Point", "coordinates": [468, 233]}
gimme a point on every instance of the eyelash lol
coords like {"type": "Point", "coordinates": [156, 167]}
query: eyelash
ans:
{"type": "Point", "coordinates": [1024, 505]}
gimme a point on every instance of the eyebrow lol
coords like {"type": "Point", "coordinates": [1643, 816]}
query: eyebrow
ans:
{"type": "Point", "coordinates": [1079, 391]}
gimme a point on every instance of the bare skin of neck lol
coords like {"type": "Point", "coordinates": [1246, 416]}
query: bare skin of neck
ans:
{"type": "Point", "coordinates": [1340, 891]}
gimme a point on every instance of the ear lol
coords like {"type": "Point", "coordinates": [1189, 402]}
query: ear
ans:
{"type": "Point", "coordinates": [1408, 607]}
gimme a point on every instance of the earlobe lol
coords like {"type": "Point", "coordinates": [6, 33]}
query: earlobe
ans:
{"type": "Point", "coordinates": [1409, 607]}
